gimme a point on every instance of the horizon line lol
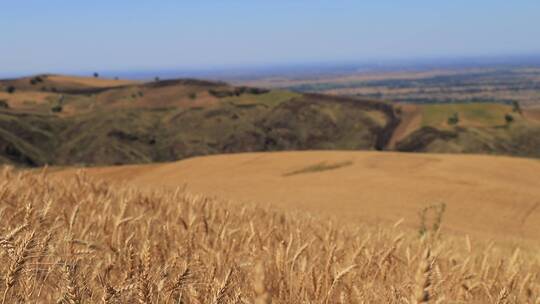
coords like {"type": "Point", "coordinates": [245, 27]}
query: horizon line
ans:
{"type": "Point", "coordinates": [424, 62]}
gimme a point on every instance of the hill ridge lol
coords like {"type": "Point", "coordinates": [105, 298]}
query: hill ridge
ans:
{"type": "Point", "coordinates": [61, 120]}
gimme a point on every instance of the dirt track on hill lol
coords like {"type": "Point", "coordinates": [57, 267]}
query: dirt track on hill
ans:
{"type": "Point", "coordinates": [411, 119]}
{"type": "Point", "coordinates": [492, 197]}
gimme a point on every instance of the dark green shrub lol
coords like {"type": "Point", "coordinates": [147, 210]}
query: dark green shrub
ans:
{"type": "Point", "coordinates": [57, 109]}
{"type": "Point", "coordinates": [516, 107]}
{"type": "Point", "coordinates": [254, 91]}
{"type": "Point", "coordinates": [4, 104]}
{"type": "Point", "coordinates": [454, 119]}
{"type": "Point", "coordinates": [10, 89]}
{"type": "Point", "coordinates": [509, 118]}
{"type": "Point", "coordinates": [221, 93]}
{"type": "Point", "coordinates": [36, 80]}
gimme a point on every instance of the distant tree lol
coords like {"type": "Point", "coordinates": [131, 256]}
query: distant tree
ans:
{"type": "Point", "coordinates": [509, 118]}
{"type": "Point", "coordinates": [57, 109]}
{"type": "Point", "coordinates": [116, 78]}
{"type": "Point", "coordinates": [454, 119]}
{"type": "Point", "coordinates": [96, 75]}
{"type": "Point", "coordinates": [36, 80]}
{"type": "Point", "coordinates": [516, 107]}
{"type": "Point", "coordinates": [10, 89]}
{"type": "Point", "coordinates": [156, 79]}
{"type": "Point", "coordinates": [192, 95]}
{"type": "Point", "coordinates": [4, 104]}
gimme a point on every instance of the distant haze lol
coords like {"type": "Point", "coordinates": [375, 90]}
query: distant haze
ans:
{"type": "Point", "coordinates": [62, 36]}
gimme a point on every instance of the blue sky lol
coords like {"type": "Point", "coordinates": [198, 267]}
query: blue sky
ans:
{"type": "Point", "coordinates": [70, 36]}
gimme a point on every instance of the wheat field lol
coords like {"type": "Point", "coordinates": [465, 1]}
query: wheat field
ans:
{"type": "Point", "coordinates": [489, 197]}
{"type": "Point", "coordinates": [78, 240]}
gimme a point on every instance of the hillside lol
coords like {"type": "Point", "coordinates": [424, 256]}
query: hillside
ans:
{"type": "Point", "coordinates": [485, 128]}
{"type": "Point", "coordinates": [175, 119]}
{"type": "Point", "coordinates": [61, 120]}
{"type": "Point", "coordinates": [492, 197]}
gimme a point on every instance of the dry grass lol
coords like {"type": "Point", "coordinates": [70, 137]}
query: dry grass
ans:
{"type": "Point", "coordinates": [78, 81]}
{"type": "Point", "coordinates": [486, 197]}
{"type": "Point", "coordinates": [75, 240]}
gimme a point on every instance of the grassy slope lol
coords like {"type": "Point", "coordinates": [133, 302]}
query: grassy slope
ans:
{"type": "Point", "coordinates": [482, 128]}
{"type": "Point", "coordinates": [119, 122]}
{"type": "Point", "coordinates": [170, 120]}
{"type": "Point", "coordinates": [470, 115]}
{"type": "Point", "coordinates": [493, 197]}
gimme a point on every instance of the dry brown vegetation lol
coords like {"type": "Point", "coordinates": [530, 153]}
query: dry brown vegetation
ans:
{"type": "Point", "coordinates": [75, 240]}
{"type": "Point", "coordinates": [489, 197]}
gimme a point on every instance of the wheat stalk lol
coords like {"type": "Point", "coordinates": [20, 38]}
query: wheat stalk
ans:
{"type": "Point", "coordinates": [19, 260]}
{"type": "Point", "coordinates": [424, 278]}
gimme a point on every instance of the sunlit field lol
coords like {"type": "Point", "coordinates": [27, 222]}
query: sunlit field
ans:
{"type": "Point", "coordinates": [77, 240]}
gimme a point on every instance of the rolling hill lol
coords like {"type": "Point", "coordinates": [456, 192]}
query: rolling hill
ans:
{"type": "Point", "coordinates": [487, 196]}
{"type": "Point", "coordinates": [175, 119]}
{"type": "Point", "coordinates": [64, 120]}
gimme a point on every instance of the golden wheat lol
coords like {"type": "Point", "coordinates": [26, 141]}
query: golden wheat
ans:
{"type": "Point", "coordinates": [82, 241]}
